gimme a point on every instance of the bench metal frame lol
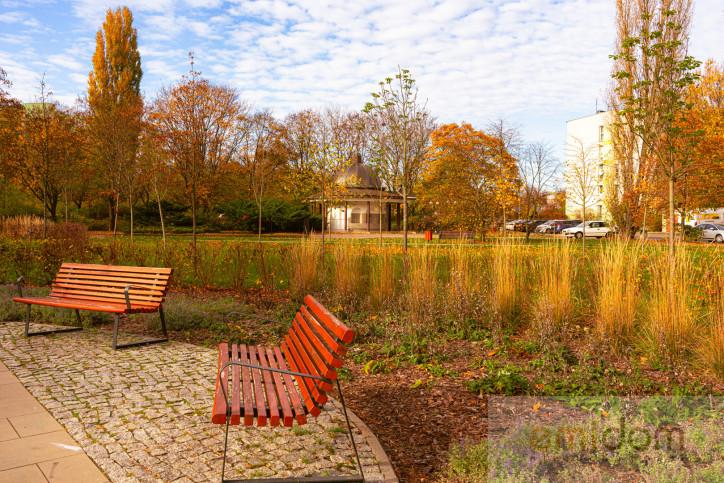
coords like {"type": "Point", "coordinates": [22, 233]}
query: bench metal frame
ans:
{"type": "Point", "coordinates": [116, 318]}
{"type": "Point", "coordinates": [312, 479]}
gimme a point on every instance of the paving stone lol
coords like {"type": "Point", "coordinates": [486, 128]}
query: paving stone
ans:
{"type": "Point", "coordinates": [142, 414]}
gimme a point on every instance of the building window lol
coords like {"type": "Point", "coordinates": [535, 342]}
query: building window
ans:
{"type": "Point", "coordinates": [600, 133]}
{"type": "Point", "coordinates": [354, 218]}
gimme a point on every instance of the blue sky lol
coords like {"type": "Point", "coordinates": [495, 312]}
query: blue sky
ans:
{"type": "Point", "coordinates": [536, 63]}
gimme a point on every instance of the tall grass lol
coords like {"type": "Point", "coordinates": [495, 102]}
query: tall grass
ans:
{"type": "Point", "coordinates": [383, 281]}
{"type": "Point", "coordinates": [349, 271]}
{"type": "Point", "coordinates": [422, 297]}
{"type": "Point", "coordinates": [22, 226]}
{"type": "Point", "coordinates": [554, 300]}
{"type": "Point", "coordinates": [712, 347]}
{"type": "Point", "coordinates": [671, 325]}
{"type": "Point", "coordinates": [303, 262]}
{"type": "Point", "coordinates": [506, 280]}
{"type": "Point", "coordinates": [618, 293]}
{"type": "Point", "coordinates": [467, 301]}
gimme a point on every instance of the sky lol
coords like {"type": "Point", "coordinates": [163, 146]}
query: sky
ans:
{"type": "Point", "coordinates": [536, 63]}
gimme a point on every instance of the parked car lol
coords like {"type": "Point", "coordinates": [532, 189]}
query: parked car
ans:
{"type": "Point", "coordinates": [563, 224]}
{"type": "Point", "coordinates": [546, 227]}
{"type": "Point", "coordinates": [519, 224]}
{"type": "Point", "coordinates": [712, 232]}
{"type": "Point", "coordinates": [510, 226]}
{"type": "Point", "coordinates": [597, 229]}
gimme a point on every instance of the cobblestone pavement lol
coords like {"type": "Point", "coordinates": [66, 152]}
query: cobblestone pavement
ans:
{"type": "Point", "coordinates": [143, 414]}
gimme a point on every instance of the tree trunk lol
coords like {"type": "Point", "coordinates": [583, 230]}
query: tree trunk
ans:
{"type": "Point", "coordinates": [404, 222]}
{"type": "Point", "coordinates": [163, 227]}
{"type": "Point", "coordinates": [130, 207]}
{"type": "Point", "coordinates": [259, 222]}
{"type": "Point", "coordinates": [193, 220]}
{"type": "Point", "coordinates": [672, 228]}
{"type": "Point", "coordinates": [583, 229]}
{"type": "Point", "coordinates": [115, 217]}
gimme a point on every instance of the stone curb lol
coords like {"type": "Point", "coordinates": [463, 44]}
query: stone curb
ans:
{"type": "Point", "coordinates": [384, 462]}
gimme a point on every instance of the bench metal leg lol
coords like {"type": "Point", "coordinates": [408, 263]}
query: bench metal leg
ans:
{"type": "Point", "coordinates": [46, 332]}
{"type": "Point", "coordinates": [313, 479]}
{"type": "Point", "coordinates": [117, 346]}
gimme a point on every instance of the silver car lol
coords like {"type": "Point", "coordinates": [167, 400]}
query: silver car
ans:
{"type": "Point", "coordinates": [712, 232]}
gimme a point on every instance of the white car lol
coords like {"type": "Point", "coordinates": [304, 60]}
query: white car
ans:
{"type": "Point", "coordinates": [712, 231]}
{"type": "Point", "coordinates": [598, 229]}
{"type": "Point", "coordinates": [510, 226]}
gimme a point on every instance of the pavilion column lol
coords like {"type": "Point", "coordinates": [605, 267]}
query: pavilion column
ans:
{"type": "Point", "coordinates": [345, 216]}
{"type": "Point", "coordinates": [369, 214]}
{"type": "Point", "coordinates": [398, 217]}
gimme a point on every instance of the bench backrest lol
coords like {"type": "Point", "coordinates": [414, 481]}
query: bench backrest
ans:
{"type": "Point", "coordinates": [106, 283]}
{"type": "Point", "coordinates": [315, 346]}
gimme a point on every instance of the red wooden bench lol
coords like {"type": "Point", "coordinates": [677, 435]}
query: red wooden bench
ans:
{"type": "Point", "coordinates": [278, 385]}
{"type": "Point", "coordinates": [104, 288]}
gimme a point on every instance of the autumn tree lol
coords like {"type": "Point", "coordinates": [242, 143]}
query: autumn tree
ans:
{"type": "Point", "coordinates": [319, 144]}
{"type": "Point", "coordinates": [706, 97]}
{"type": "Point", "coordinates": [116, 106]}
{"type": "Point", "coordinates": [400, 128]}
{"type": "Point", "coordinates": [582, 174]}
{"type": "Point", "coordinates": [158, 169]}
{"type": "Point", "coordinates": [262, 157]}
{"type": "Point", "coordinates": [652, 71]}
{"type": "Point", "coordinates": [537, 167]}
{"type": "Point", "coordinates": [11, 112]}
{"type": "Point", "coordinates": [201, 125]}
{"type": "Point", "coordinates": [511, 145]}
{"type": "Point", "coordinates": [465, 167]}
{"type": "Point", "coordinates": [49, 146]}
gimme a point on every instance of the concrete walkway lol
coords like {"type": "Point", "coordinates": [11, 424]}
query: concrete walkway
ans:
{"type": "Point", "coordinates": [143, 414]}
{"type": "Point", "coordinates": [33, 446]}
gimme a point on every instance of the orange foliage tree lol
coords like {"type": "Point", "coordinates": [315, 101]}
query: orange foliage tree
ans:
{"type": "Point", "coordinates": [706, 97]}
{"type": "Point", "coordinates": [201, 127]}
{"type": "Point", "coordinates": [11, 112]}
{"type": "Point", "coordinates": [49, 148]}
{"type": "Point", "coordinates": [466, 170]}
{"type": "Point", "coordinates": [116, 108]}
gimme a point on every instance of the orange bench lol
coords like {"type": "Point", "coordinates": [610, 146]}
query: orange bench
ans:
{"type": "Point", "coordinates": [282, 384]}
{"type": "Point", "coordinates": [104, 288]}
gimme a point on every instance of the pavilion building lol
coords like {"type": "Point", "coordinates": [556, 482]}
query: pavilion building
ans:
{"type": "Point", "coordinates": [361, 202]}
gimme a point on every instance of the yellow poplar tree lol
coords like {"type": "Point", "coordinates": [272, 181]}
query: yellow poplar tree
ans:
{"type": "Point", "coordinates": [114, 98]}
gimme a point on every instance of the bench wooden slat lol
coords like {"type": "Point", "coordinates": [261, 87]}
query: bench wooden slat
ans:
{"type": "Point", "coordinates": [246, 387]}
{"type": "Point", "coordinates": [329, 357]}
{"type": "Point", "coordinates": [331, 341]}
{"type": "Point", "coordinates": [311, 357]}
{"type": "Point", "coordinates": [309, 392]}
{"type": "Point", "coordinates": [71, 303]}
{"type": "Point", "coordinates": [289, 383]}
{"type": "Point", "coordinates": [218, 415]}
{"type": "Point", "coordinates": [261, 415]}
{"type": "Point", "coordinates": [103, 275]}
{"type": "Point", "coordinates": [111, 300]}
{"type": "Point", "coordinates": [270, 389]}
{"type": "Point", "coordinates": [235, 388]}
{"type": "Point", "coordinates": [312, 365]}
{"type": "Point", "coordinates": [118, 288]}
{"type": "Point", "coordinates": [119, 268]}
{"type": "Point", "coordinates": [156, 281]}
{"type": "Point", "coordinates": [120, 297]}
{"type": "Point", "coordinates": [280, 389]}
{"type": "Point", "coordinates": [344, 333]}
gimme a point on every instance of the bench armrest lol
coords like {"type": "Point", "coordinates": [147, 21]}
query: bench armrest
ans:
{"type": "Point", "coordinates": [264, 368]}
{"type": "Point", "coordinates": [125, 292]}
{"type": "Point", "coordinates": [19, 283]}
{"type": "Point", "coordinates": [252, 316]}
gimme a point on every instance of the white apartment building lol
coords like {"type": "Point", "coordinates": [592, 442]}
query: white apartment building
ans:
{"type": "Point", "coordinates": [588, 149]}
